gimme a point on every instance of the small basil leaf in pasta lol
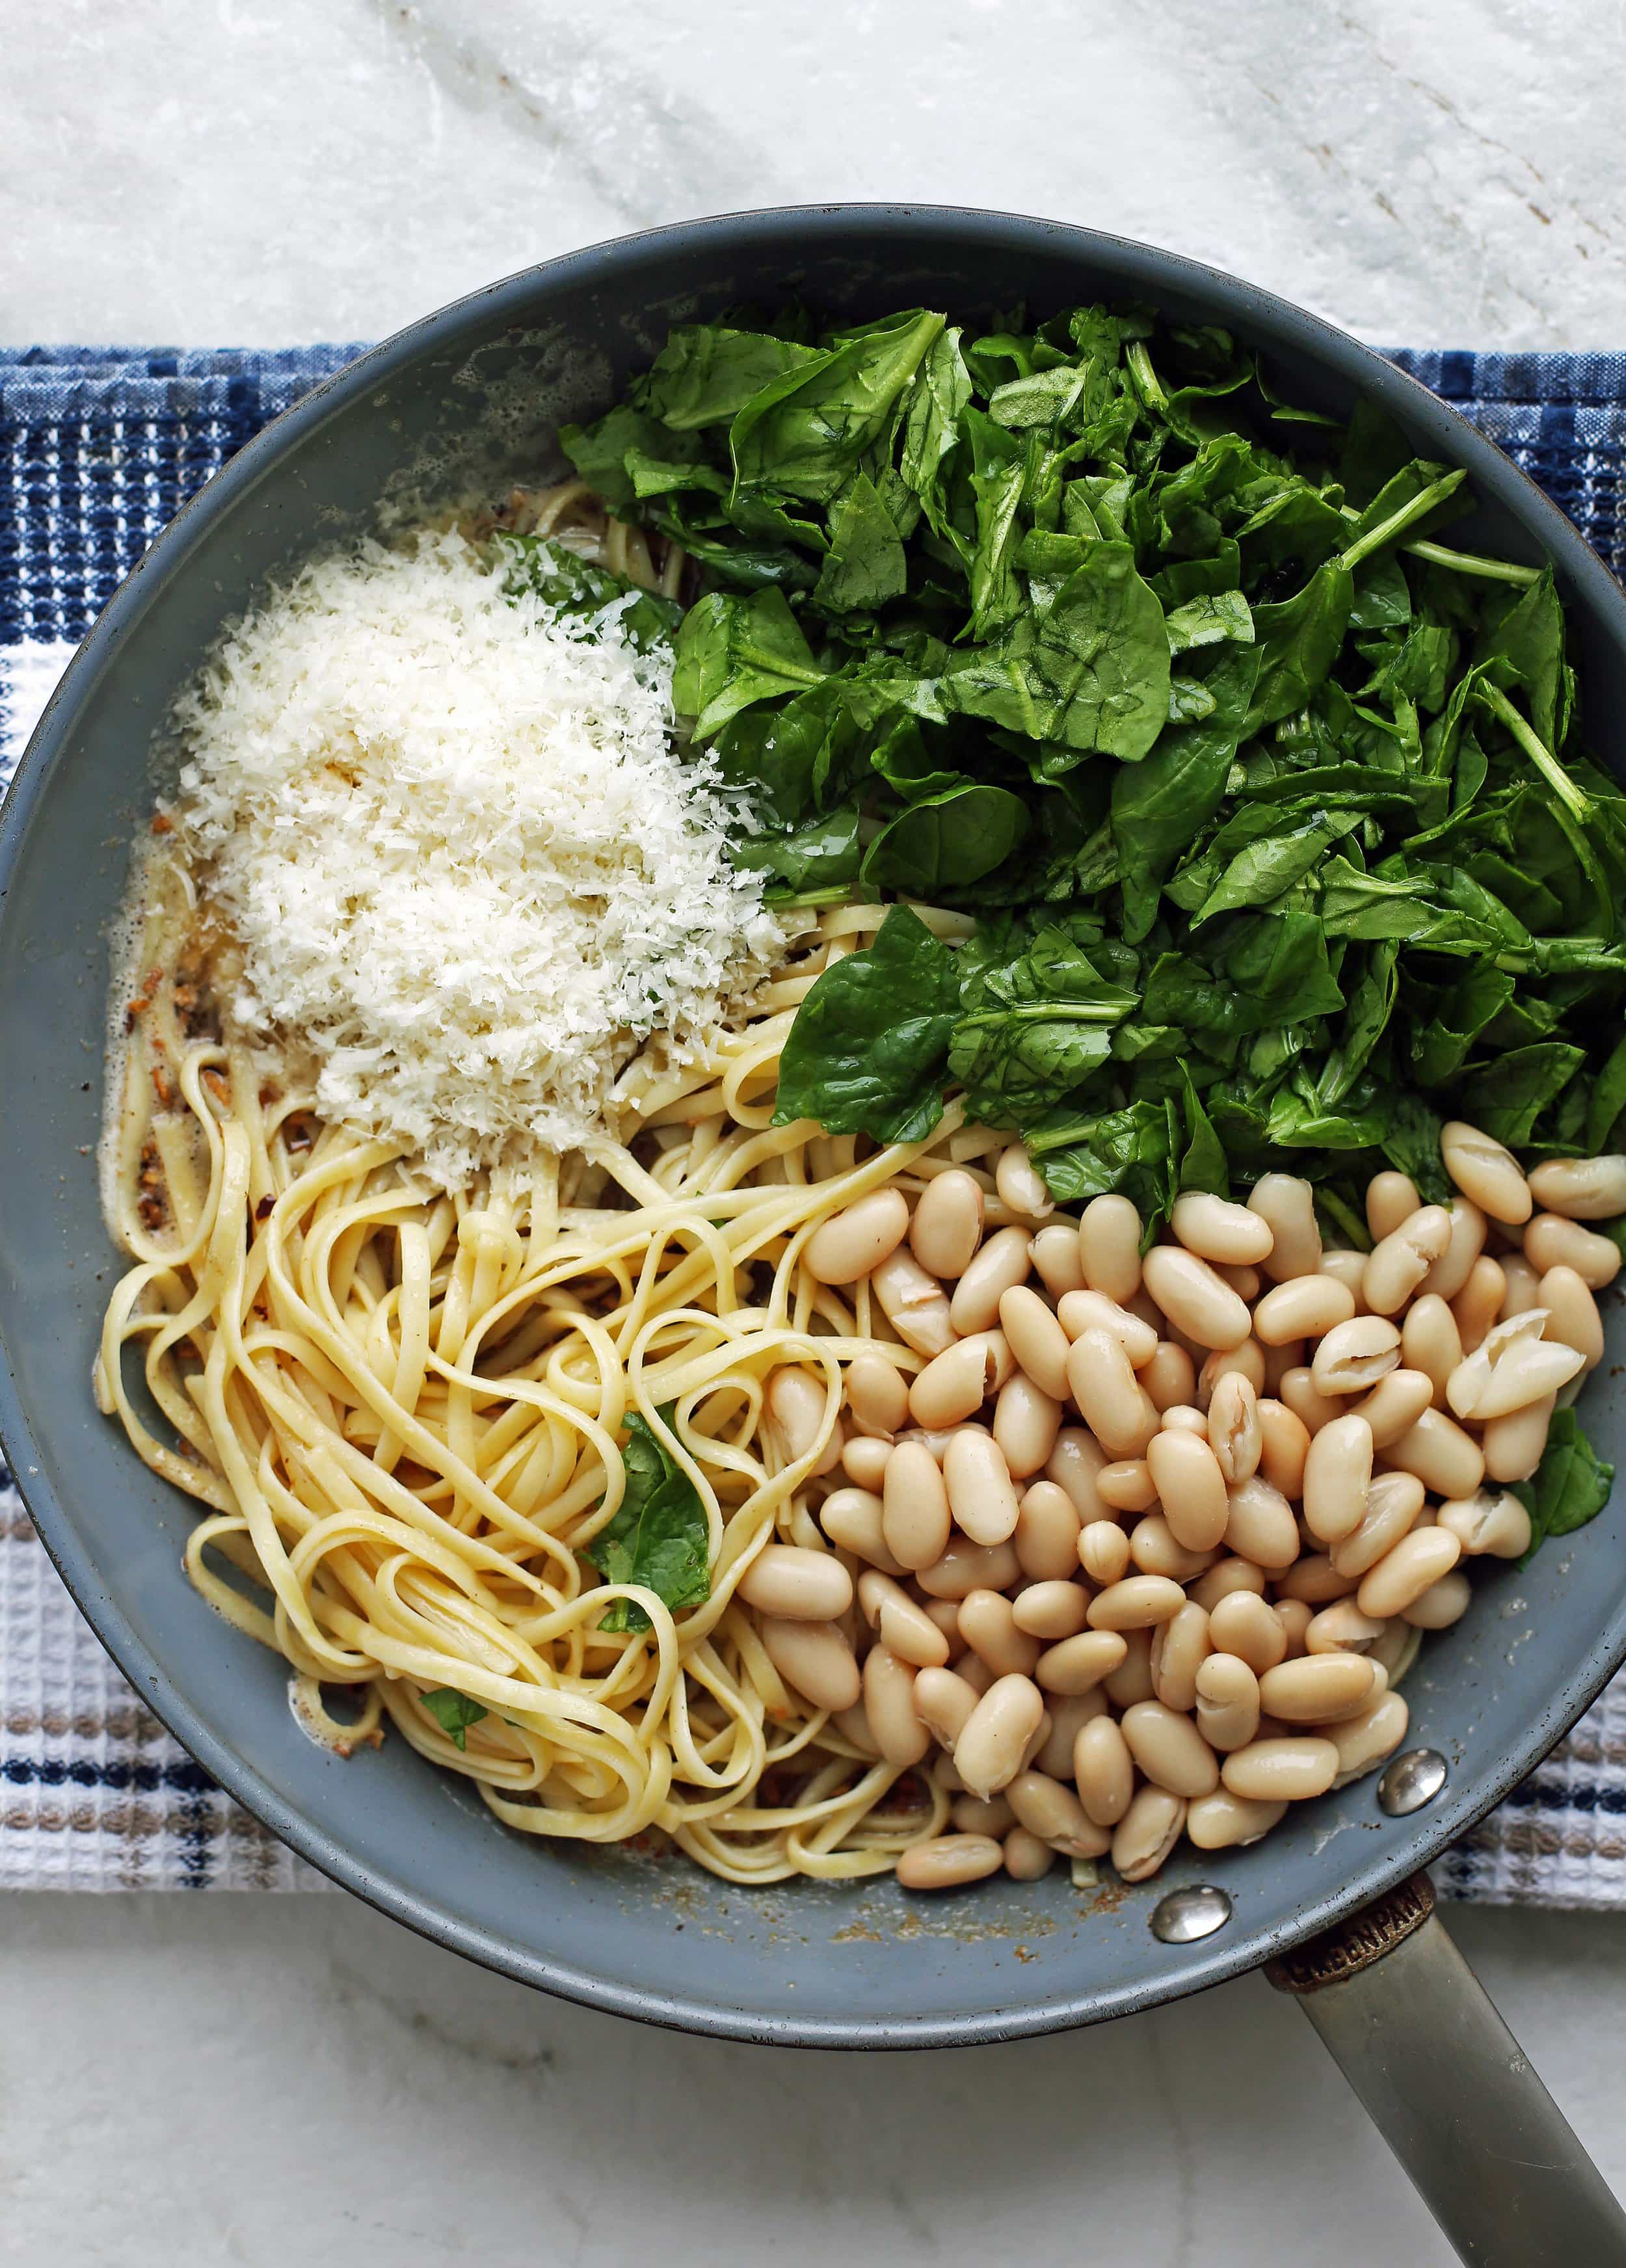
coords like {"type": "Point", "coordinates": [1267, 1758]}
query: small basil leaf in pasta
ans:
{"type": "Point", "coordinates": [453, 1711]}
{"type": "Point", "coordinates": [658, 1537]}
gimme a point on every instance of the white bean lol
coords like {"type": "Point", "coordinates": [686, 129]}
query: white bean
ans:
{"type": "Point", "coordinates": [965, 1567]}
{"type": "Point", "coordinates": [1234, 1434]}
{"type": "Point", "coordinates": [948, 1861]}
{"type": "Point", "coordinates": [1169, 1749]}
{"type": "Point", "coordinates": [988, 1752]}
{"type": "Point", "coordinates": [1342, 1628]}
{"type": "Point", "coordinates": [1196, 1301]}
{"type": "Point", "coordinates": [1036, 1339]}
{"type": "Point", "coordinates": [798, 1404]}
{"type": "Point", "coordinates": [1397, 1267]}
{"type": "Point", "coordinates": [889, 1704]}
{"type": "Point", "coordinates": [865, 1458]}
{"type": "Point", "coordinates": [914, 1515]}
{"type": "Point", "coordinates": [1353, 1356]}
{"type": "Point", "coordinates": [1242, 1625]}
{"type": "Point", "coordinates": [851, 1518]}
{"type": "Point", "coordinates": [1305, 1308]}
{"type": "Point", "coordinates": [1056, 1259]}
{"type": "Point", "coordinates": [1109, 1233]}
{"type": "Point", "coordinates": [913, 1303]}
{"type": "Point", "coordinates": [1391, 1198]}
{"type": "Point", "coordinates": [1078, 1665]}
{"type": "Point", "coordinates": [1147, 1833]}
{"type": "Point", "coordinates": [1228, 1702]}
{"type": "Point", "coordinates": [1109, 1395]}
{"type": "Point", "coordinates": [1443, 1603]}
{"type": "Point", "coordinates": [1103, 1551]}
{"type": "Point", "coordinates": [981, 1495]}
{"type": "Point", "coordinates": [1073, 1464]}
{"type": "Point", "coordinates": [1186, 1476]}
{"type": "Point", "coordinates": [1582, 1188]}
{"type": "Point", "coordinates": [1363, 1741]}
{"type": "Point", "coordinates": [1021, 1186]}
{"type": "Point", "coordinates": [1215, 1229]}
{"type": "Point", "coordinates": [1284, 1446]}
{"type": "Point", "coordinates": [1394, 1405]}
{"type": "Point", "coordinates": [1051, 1611]}
{"type": "Point", "coordinates": [1404, 1574]}
{"type": "Point", "coordinates": [1464, 1245]}
{"type": "Point", "coordinates": [989, 1626]}
{"type": "Point", "coordinates": [1170, 1378]}
{"type": "Point", "coordinates": [1572, 1316]}
{"type": "Point", "coordinates": [1003, 1261]}
{"type": "Point", "coordinates": [1082, 1311]}
{"type": "Point", "coordinates": [854, 1242]}
{"type": "Point", "coordinates": [1224, 1821]}
{"type": "Point", "coordinates": [1052, 1812]}
{"type": "Point", "coordinates": [1440, 1453]}
{"type": "Point", "coordinates": [1552, 1241]}
{"type": "Point", "coordinates": [1479, 1302]}
{"type": "Point", "coordinates": [814, 1657]}
{"type": "Point", "coordinates": [1180, 1647]}
{"type": "Point", "coordinates": [877, 1395]}
{"type": "Point", "coordinates": [1287, 1205]}
{"type": "Point", "coordinates": [1430, 1340]}
{"type": "Point", "coordinates": [1318, 1688]}
{"type": "Point", "coordinates": [1136, 1603]}
{"type": "Point", "coordinates": [943, 1701]}
{"type": "Point", "coordinates": [903, 1624]}
{"type": "Point", "coordinates": [1393, 1502]}
{"type": "Point", "coordinates": [1103, 1770]}
{"type": "Point", "coordinates": [1512, 1445]}
{"type": "Point", "coordinates": [1281, 1770]}
{"type": "Point", "coordinates": [1337, 1474]}
{"type": "Point", "coordinates": [1485, 1172]}
{"type": "Point", "coordinates": [1026, 1422]}
{"type": "Point", "coordinates": [1262, 1526]}
{"type": "Point", "coordinates": [794, 1581]}
{"type": "Point", "coordinates": [947, 1226]}
{"type": "Point", "coordinates": [1047, 1533]}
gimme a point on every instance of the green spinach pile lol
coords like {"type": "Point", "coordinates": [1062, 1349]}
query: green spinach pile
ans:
{"type": "Point", "coordinates": [1269, 807]}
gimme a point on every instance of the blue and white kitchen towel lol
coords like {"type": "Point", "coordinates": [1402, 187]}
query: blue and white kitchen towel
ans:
{"type": "Point", "coordinates": [99, 447]}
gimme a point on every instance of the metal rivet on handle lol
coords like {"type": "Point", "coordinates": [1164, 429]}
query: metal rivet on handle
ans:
{"type": "Point", "coordinates": [1411, 1781]}
{"type": "Point", "coordinates": [1185, 1916]}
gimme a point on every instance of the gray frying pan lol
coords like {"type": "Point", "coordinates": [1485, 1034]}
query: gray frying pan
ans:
{"type": "Point", "coordinates": [1333, 1900]}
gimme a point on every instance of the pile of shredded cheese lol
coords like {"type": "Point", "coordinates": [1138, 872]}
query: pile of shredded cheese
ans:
{"type": "Point", "coordinates": [466, 867]}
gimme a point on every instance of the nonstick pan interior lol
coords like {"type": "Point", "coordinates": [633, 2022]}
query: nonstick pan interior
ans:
{"type": "Point", "coordinates": [466, 400]}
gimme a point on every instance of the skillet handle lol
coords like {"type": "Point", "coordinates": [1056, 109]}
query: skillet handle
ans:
{"type": "Point", "coordinates": [1450, 2090]}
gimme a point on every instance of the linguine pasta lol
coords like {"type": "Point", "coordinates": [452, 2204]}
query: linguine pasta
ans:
{"type": "Point", "coordinates": [400, 1408]}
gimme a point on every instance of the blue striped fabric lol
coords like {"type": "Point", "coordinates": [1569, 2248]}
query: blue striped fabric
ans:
{"type": "Point", "coordinates": [99, 447]}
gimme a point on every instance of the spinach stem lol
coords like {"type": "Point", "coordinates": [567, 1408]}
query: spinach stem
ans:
{"type": "Point", "coordinates": [833, 894]}
{"type": "Point", "coordinates": [1462, 563]}
{"type": "Point", "coordinates": [1148, 385]}
{"type": "Point", "coordinates": [1470, 562]}
{"type": "Point", "coordinates": [1574, 799]}
{"type": "Point", "coordinates": [1049, 1012]}
{"type": "Point", "coordinates": [1397, 522]}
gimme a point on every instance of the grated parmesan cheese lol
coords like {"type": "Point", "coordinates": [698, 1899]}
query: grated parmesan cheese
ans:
{"type": "Point", "coordinates": [467, 869]}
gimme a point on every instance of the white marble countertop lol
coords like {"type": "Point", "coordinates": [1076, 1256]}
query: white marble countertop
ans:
{"type": "Point", "coordinates": [248, 2078]}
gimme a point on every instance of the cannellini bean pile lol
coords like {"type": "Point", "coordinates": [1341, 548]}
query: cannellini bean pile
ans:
{"type": "Point", "coordinates": [1132, 1547]}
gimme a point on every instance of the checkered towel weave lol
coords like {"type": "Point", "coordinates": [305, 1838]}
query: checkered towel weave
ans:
{"type": "Point", "coordinates": [97, 449]}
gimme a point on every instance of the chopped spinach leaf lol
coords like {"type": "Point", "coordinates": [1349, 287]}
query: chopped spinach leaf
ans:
{"type": "Point", "coordinates": [659, 1536]}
